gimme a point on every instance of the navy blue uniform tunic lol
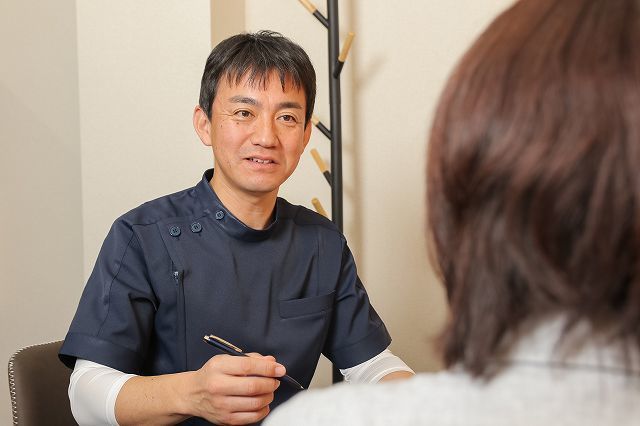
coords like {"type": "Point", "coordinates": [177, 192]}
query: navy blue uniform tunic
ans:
{"type": "Point", "coordinates": [182, 266]}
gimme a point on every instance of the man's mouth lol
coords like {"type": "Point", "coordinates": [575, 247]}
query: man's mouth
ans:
{"type": "Point", "coordinates": [260, 161]}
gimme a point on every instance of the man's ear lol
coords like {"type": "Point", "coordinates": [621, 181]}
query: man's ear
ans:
{"type": "Point", "coordinates": [307, 134]}
{"type": "Point", "coordinates": [202, 124]}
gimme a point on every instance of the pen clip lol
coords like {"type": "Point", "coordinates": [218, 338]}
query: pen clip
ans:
{"type": "Point", "coordinates": [224, 342]}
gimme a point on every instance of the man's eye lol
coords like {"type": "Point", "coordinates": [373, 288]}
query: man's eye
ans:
{"type": "Point", "coordinates": [288, 118]}
{"type": "Point", "coordinates": [243, 113]}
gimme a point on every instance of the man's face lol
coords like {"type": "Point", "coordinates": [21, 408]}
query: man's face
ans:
{"type": "Point", "coordinates": [257, 134]}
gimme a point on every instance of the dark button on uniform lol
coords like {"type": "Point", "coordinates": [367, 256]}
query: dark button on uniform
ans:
{"type": "Point", "coordinates": [196, 227]}
{"type": "Point", "coordinates": [219, 214]}
{"type": "Point", "coordinates": [174, 231]}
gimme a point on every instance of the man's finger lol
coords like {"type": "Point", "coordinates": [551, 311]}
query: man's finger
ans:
{"type": "Point", "coordinates": [251, 366]}
{"type": "Point", "coordinates": [247, 403]}
{"type": "Point", "coordinates": [258, 355]}
{"type": "Point", "coordinates": [246, 417]}
{"type": "Point", "coordinates": [246, 385]}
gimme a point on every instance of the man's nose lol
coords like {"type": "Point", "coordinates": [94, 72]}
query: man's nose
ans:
{"type": "Point", "coordinates": [264, 133]}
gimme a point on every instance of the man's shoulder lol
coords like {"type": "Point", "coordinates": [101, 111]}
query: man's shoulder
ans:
{"type": "Point", "coordinates": [302, 216]}
{"type": "Point", "coordinates": [166, 208]}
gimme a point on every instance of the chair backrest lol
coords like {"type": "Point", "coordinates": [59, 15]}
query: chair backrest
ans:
{"type": "Point", "coordinates": [38, 384]}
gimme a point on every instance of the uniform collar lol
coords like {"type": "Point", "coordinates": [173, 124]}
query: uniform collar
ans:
{"type": "Point", "coordinates": [214, 208]}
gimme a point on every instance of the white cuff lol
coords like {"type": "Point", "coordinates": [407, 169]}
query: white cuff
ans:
{"type": "Point", "coordinates": [93, 390]}
{"type": "Point", "coordinates": [376, 368]}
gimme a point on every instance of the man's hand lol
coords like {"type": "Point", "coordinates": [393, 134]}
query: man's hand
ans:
{"type": "Point", "coordinates": [235, 390]}
{"type": "Point", "coordinates": [231, 390]}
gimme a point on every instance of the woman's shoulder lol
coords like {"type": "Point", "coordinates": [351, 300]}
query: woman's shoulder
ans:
{"type": "Point", "coordinates": [518, 396]}
{"type": "Point", "coordinates": [398, 402]}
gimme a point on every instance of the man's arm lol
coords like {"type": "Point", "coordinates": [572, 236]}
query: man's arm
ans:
{"type": "Point", "coordinates": [397, 375]}
{"type": "Point", "coordinates": [232, 390]}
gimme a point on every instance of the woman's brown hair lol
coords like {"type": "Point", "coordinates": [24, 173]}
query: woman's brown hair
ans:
{"type": "Point", "coordinates": [534, 176]}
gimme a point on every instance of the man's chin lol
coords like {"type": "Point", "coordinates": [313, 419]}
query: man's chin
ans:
{"type": "Point", "coordinates": [262, 189]}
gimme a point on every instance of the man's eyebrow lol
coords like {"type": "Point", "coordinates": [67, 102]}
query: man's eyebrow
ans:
{"type": "Point", "coordinates": [244, 100]}
{"type": "Point", "coordinates": [294, 105]}
{"type": "Point", "coordinates": [239, 99]}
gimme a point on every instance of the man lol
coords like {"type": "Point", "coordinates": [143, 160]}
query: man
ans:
{"type": "Point", "coordinates": [226, 257]}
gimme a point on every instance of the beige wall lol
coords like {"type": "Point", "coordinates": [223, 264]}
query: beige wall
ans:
{"type": "Point", "coordinates": [140, 64]}
{"type": "Point", "coordinates": [227, 19]}
{"type": "Point", "coordinates": [95, 111]}
{"type": "Point", "coordinates": [41, 242]}
{"type": "Point", "coordinates": [95, 122]}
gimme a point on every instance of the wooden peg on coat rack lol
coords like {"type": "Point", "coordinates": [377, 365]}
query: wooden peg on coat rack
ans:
{"type": "Point", "coordinates": [343, 54]}
{"type": "Point", "coordinates": [325, 131]}
{"type": "Point", "coordinates": [319, 208]}
{"type": "Point", "coordinates": [321, 165]}
{"type": "Point", "coordinates": [314, 11]}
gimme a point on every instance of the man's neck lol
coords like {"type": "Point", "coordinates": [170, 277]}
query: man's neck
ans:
{"type": "Point", "coordinates": [254, 211]}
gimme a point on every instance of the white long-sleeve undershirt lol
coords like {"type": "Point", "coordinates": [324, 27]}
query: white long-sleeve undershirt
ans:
{"type": "Point", "coordinates": [93, 390]}
{"type": "Point", "coordinates": [376, 368]}
{"type": "Point", "coordinates": [94, 387]}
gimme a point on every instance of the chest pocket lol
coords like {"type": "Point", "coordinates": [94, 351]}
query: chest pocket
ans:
{"type": "Point", "coordinates": [307, 306]}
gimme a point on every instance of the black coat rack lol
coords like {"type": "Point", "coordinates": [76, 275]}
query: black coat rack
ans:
{"type": "Point", "coordinates": [334, 133]}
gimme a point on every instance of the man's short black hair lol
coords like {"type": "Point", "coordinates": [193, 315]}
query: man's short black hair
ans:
{"type": "Point", "coordinates": [256, 56]}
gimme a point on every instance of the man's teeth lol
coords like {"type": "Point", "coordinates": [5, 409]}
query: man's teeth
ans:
{"type": "Point", "coordinates": [257, 160]}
